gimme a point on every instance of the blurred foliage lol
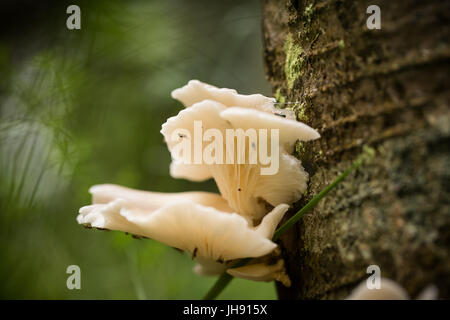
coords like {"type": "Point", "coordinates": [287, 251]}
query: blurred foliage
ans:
{"type": "Point", "coordinates": [84, 107]}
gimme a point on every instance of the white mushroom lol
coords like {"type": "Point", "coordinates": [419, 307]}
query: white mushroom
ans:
{"type": "Point", "coordinates": [217, 229]}
{"type": "Point", "coordinates": [430, 292]}
{"type": "Point", "coordinates": [193, 222]}
{"type": "Point", "coordinates": [389, 290]}
{"type": "Point", "coordinates": [241, 183]}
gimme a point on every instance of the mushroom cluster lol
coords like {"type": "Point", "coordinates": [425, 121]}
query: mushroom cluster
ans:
{"type": "Point", "coordinates": [216, 229]}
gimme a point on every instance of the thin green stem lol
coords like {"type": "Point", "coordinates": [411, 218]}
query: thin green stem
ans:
{"type": "Point", "coordinates": [218, 286]}
{"type": "Point", "coordinates": [312, 203]}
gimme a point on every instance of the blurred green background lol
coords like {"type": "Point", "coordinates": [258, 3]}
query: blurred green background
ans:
{"type": "Point", "coordinates": [84, 107]}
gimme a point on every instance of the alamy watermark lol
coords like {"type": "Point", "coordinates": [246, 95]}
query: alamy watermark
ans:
{"type": "Point", "coordinates": [74, 280]}
{"type": "Point", "coordinates": [374, 20]}
{"type": "Point", "coordinates": [231, 149]}
{"type": "Point", "coordinates": [373, 281]}
{"type": "Point", "coordinates": [74, 20]}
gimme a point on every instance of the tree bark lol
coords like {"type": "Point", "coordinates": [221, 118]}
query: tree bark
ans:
{"type": "Point", "coordinates": [388, 89]}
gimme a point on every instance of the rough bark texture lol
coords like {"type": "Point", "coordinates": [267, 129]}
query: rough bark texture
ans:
{"type": "Point", "coordinates": [385, 88]}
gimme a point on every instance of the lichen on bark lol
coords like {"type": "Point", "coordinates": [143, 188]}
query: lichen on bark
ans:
{"type": "Point", "coordinates": [385, 88]}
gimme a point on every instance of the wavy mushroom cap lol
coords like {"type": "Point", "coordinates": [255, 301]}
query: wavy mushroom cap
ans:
{"type": "Point", "coordinates": [145, 200]}
{"type": "Point", "coordinates": [209, 234]}
{"type": "Point", "coordinates": [241, 183]}
{"type": "Point", "coordinates": [196, 91]}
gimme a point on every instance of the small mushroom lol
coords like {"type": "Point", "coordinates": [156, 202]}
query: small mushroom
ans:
{"type": "Point", "coordinates": [390, 290]}
{"type": "Point", "coordinates": [207, 267]}
{"type": "Point", "coordinates": [262, 272]}
{"type": "Point", "coordinates": [193, 222]}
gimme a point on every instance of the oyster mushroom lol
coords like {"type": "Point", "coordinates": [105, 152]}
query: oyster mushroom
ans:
{"type": "Point", "coordinates": [242, 183]}
{"type": "Point", "coordinates": [389, 290]}
{"type": "Point", "coordinates": [197, 222]}
{"type": "Point", "coordinates": [217, 229]}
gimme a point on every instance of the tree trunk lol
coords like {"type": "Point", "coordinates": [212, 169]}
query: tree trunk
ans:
{"type": "Point", "coordinates": [386, 88]}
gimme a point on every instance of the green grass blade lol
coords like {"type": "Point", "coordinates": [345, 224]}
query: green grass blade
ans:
{"type": "Point", "coordinates": [223, 280]}
{"type": "Point", "coordinates": [311, 204]}
{"type": "Point", "coordinates": [218, 286]}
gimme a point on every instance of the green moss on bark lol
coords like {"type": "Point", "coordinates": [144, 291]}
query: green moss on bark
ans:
{"type": "Point", "coordinates": [293, 62]}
